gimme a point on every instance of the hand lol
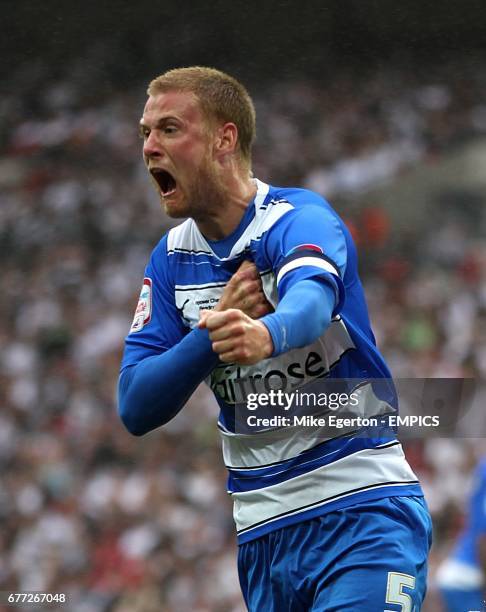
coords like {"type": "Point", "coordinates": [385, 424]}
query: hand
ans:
{"type": "Point", "coordinates": [236, 337]}
{"type": "Point", "coordinates": [244, 291]}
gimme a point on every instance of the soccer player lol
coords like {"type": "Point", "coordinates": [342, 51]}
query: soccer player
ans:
{"type": "Point", "coordinates": [322, 524]}
{"type": "Point", "coordinates": [461, 578]}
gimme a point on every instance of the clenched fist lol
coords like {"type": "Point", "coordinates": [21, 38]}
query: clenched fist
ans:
{"type": "Point", "coordinates": [236, 337]}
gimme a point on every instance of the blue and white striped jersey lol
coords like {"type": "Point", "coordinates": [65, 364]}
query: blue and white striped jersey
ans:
{"type": "Point", "coordinates": [279, 477]}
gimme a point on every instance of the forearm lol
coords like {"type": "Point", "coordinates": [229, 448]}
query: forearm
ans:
{"type": "Point", "coordinates": [153, 391]}
{"type": "Point", "coordinates": [302, 315]}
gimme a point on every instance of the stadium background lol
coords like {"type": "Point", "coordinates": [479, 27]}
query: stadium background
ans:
{"type": "Point", "coordinates": [380, 107]}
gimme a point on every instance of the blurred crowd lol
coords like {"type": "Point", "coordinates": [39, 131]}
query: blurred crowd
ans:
{"type": "Point", "coordinates": [124, 524]}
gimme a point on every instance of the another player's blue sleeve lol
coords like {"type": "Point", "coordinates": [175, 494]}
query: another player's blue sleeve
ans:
{"type": "Point", "coordinates": [477, 508]}
{"type": "Point", "coordinates": [308, 242]}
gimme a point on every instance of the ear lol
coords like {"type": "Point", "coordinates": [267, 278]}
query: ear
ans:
{"type": "Point", "coordinates": [226, 139]}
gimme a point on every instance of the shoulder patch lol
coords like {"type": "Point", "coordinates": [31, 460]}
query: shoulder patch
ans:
{"type": "Point", "coordinates": [143, 312]}
{"type": "Point", "coordinates": [305, 247]}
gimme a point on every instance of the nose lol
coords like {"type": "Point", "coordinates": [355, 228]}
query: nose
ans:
{"type": "Point", "coordinates": [151, 146]}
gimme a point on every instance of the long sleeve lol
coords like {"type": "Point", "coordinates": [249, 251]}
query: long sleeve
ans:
{"type": "Point", "coordinates": [151, 392]}
{"type": "Point", "coordinates": [302, 315]}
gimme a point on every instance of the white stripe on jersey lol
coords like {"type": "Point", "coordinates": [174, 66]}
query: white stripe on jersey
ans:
{"type": "Point", "coordinates": [316, 262]}
{"type": "Point", "coordinates": [323, 485]}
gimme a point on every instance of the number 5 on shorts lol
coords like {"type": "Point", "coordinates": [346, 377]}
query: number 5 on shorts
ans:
{"type": "Point", "coordinates": [394, 590]}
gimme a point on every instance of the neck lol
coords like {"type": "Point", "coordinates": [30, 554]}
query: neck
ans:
{"type": "Point", "coordinates": [234, 196]}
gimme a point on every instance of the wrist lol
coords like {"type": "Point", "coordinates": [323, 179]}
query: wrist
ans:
{"type": "Point", "coordinates": [267, 342]}
{"type": "Point", "coordinates": [278, 333]}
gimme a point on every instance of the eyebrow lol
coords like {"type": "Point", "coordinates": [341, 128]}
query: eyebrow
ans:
{"type": "Point", "coordinates": [160, 122]}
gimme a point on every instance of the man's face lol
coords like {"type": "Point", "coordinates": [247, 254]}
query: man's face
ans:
{"type": "Point", "coordinates": [177, 150]}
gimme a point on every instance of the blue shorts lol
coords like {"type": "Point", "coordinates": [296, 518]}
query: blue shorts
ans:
{"type": "Point", "coordinates": [369, 557]}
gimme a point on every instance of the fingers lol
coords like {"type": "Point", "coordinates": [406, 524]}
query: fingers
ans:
{"type": "Point", "coordinates": [228, 330]}
{"type": "Point", "coordinates": [247, 294]}
{"type": "Point", "coordinates": [250, 299]}
{"type": "Point", "coordinates": [256, 306]}
{"type": "Point", "coordinates": [203, 315]}
{"type": "Point", "coordinates": [261, 309]}
{"type": "Point", "coordinates": [236, 337]}
{"type": "Point", "coordinates": [248, 270]}
{"type": "Point", "coordinates": [244, 281]}
{"type": "Point", "coordinates": [244, 292]}
{"type": "Point", "coordinates": [245, 288]}
{"type": "Point", "coordinates": [235, 350]}
{"type": "Point", "coordinates": [249, 291]}
{"type": "Point", "coordinates": [247, 348]}
{"type": "Point", "coordinates": [213, 320]}
{"type": "Point", "coordinates": [223, 347]}
{"type": "Point", "coordinates": [225, 328]}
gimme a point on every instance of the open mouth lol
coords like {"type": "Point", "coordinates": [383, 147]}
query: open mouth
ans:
{"type": "Point", "coordinates": [166, 182]}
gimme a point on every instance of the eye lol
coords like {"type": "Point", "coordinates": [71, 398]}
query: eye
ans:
{"type": "Point", "coordinates": [170, 129]}
{"type": "Point", "coordinates": [144, 133]}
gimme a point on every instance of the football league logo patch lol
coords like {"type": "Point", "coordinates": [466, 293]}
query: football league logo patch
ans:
{"type": "Point", "coordinates": [143, 311]}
